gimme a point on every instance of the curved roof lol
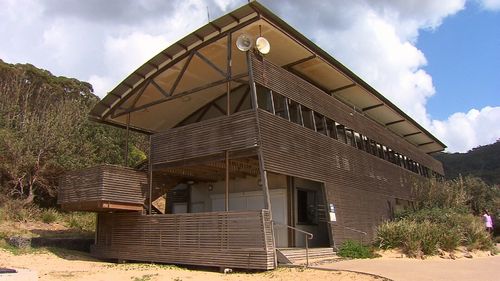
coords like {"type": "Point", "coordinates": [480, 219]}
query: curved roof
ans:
{"type": "Point", "coordinates": [156, 86]}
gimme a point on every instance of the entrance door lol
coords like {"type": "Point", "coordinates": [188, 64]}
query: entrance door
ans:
{"type": "Point", "coordinates": [308, 212]}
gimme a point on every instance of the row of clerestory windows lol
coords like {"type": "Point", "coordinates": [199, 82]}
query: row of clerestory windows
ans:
{"type": "Point", "coordinates": [295, 112]}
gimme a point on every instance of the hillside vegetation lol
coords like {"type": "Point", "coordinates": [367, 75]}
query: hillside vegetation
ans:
{"type": "Point", "coordinates": [44, 131]}
{"type": "Point", "coordinates": [482, 162]}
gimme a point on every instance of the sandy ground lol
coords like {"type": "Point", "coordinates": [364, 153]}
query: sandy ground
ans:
{"type": "Point", "coordinates": [77, 266]}
{"type": "Point", "coordinates": [482, 267]}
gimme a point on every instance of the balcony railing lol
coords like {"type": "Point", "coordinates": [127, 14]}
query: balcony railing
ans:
{"type": "Point", "coordinates": [103, 188]}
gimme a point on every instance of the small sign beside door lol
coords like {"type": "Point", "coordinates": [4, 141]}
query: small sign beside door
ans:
{"type": "Point", "coordinates": [333, 217]}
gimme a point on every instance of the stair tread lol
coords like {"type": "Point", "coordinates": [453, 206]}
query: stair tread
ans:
{"type": "Point", "coordinates": [297, 256]}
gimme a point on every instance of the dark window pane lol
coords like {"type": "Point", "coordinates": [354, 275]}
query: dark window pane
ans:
{"type": "Point", "coordinates": [330, 126]}
{"type": "Point", "coordinates": [320, 124]}
{"type": "Point", "coordinates": [294, 112]}
{"type": "Point", "coordinates": [357, 139]}
{"type": "Point", "coordinates": [341, 133]}
{"type": "Point", "coordinates": [264, 98]}
{"type": "Point", "coordinates": [307, 117]}
{"type": "Point", "coordinates": [280, 105]}
{"type": "Point", "coordinates": [350, 137]}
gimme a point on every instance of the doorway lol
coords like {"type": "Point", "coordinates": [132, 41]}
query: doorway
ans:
{"type": "Point", "coordinates": [307, 212]}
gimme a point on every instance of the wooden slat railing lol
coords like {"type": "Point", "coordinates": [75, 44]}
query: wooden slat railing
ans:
{"type": "Point", "coordinates": [221, 239]}
{"type": "Point", "coordinates": [103, 188]}
{"type": "Point", "coordinates": [233, 133]}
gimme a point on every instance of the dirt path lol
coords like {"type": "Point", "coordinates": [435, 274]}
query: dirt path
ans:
{"type": "Point", "coordinates": [478, 268]}
{"type": "Point", "coordinates": [64, 265]}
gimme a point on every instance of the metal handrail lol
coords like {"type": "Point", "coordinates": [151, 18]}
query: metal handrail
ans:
{"type": "Point", "coordinates": [350, 228]}
{"type": "Point", "coordinates": [308, 236]}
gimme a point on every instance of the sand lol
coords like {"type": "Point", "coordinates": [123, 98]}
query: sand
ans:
{"type": "Point", "coordinates": [70, 265]}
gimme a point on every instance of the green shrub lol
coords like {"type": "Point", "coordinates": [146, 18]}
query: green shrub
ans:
{"type": "Point", "coordinates": [355, 250]}
{"type": "Point", "coordinates": [81, 221]}
{"type": "Point", "coordinates": [50, 215]}
{"type": "Point", "coordinates": [427, 230]}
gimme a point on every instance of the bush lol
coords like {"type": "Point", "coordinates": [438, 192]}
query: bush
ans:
{"type": "Point", "coordinates": [425, 231]}
{"type": "Point", "coordinates": [50, 215]}
{"type": "Point", "coordinates": [355, 250]}
{"type": "Point", "coordinates": [17, 210]}
{"type": "Point", "coordinates": [81, 221]}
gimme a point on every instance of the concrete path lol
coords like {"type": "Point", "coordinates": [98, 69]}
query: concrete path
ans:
{"type": "Point", "coordinates": [478, 269]}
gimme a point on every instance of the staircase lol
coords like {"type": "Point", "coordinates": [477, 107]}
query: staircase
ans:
{"type": "Point", "coordinates": [297, 256]}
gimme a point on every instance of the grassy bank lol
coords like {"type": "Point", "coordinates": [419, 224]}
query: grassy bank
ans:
{"type": "Point", "coordinates": [28, 220]}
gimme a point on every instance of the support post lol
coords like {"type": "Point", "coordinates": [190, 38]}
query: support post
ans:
{"type": "Point", "coordinates": [262, 171]}
{"type": "Point", "coordinates": [126, 140]}
{"type": "Point", "coordinates": [227, 182]}
{"type": "Point", "coordinates": [150, 172]}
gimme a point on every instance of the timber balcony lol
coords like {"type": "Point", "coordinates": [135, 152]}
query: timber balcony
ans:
{"type": "Point", "coordinates": [103, 188]}
{"type": "Point", "coordinates": [194, 151]}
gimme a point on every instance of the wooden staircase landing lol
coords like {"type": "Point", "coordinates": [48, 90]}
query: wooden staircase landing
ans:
{"type": "Point", "coordinates": [297, 256]}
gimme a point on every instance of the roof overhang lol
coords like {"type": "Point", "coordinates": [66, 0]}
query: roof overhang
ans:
{"type": "Point", "coordinates": [154, 87]}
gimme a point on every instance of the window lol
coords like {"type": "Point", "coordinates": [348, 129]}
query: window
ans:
{"type": "Point", "coordinates": [295, 114]}
{"type": "Point", "coordinates": [264, 98]}
{"type": "Point", "coordinates": [319, 120]}
{"type": "Point", "coordinates": [306, 207]}
{"type": "Point", "coordinates": [280, 106]}
{"type": "Point", "coordinates": [307, 117]}
{"type": "Point", "coordinates": [341, 133]}
{"type": "Point", "coordinates": [358, 141]}
{"type": "Point", "coordinates": [330, 126]}
{"type": "Point", "coordinates": [350, 137]}
{"type": "Point", "coordinates": [366, 143]}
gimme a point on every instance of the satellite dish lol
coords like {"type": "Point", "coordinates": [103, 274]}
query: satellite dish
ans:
{"type": "Point", "coordinates": [263, 45]}
{"type": "Point", "coordinates": [244, 42]}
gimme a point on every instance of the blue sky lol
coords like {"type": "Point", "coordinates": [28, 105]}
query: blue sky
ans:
{"type": "Point", "coordinates": [463, 56]}
{"type": "Point", "coordinates": [437, 60]}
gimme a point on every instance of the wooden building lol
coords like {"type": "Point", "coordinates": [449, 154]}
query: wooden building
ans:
{"type": "Point", "coordinates": [250, 151]}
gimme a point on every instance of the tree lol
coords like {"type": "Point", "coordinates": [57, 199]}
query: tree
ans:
{"type": "Point", "coordinates": [44, 131]}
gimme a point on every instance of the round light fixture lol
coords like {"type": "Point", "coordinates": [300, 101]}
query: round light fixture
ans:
{"type": "Point", "coordinates": [263, 45]}
{"type": "Point", "coordinates": [244, 42]}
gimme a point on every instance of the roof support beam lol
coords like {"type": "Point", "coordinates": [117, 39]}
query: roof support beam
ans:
{"type": "Point", "coordinates": [178, 79]}
{"type": "Point", "coordinates": [435, 151]}
{"type": "Point", "coordinates": [395, 122]}
{"type": "Point", "coordinates": [210, 63]}
{"type": "Point", "coordinates": [425, 143]}
{"type": "Point", "coordinates": [292, 64]}
{"type": "Point", "coordinates": [180, 95]}
{"type": "Point", "coordinates": [336, 90]}
{"type": "Point", "coordinates": [372, 107]}
{"type": "Point", "coordinates": [160, 89]}
{"type": "Point", "coordinates": [412, 134]}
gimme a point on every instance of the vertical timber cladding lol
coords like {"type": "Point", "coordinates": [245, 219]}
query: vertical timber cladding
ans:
{"type": "Point", "coordinates": [235, 132]}
{"type": "Point", "coordinates": [291, 86]}
{"type": "Point", "coordinates": [362, 186]}
{"type": "Point", "coordinates": [222, 239]}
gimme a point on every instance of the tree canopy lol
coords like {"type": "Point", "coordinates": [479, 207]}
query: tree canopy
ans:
{"type": "Point", "coordinates": [44, 131]}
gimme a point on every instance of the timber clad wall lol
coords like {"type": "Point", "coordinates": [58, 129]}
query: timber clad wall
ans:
{"type": "Point", "coordinates": [225, 239]}
{"type": "Point", "coordinates": [362, 186]}
{"type": "Point", "coordinates": [291, 86]}
{"type": "Point", "coordinates": [235, 132]}
{"type": "Point", "coordinates": [359, 184]}
{"type": "Point", "coordinates": [104, 183]}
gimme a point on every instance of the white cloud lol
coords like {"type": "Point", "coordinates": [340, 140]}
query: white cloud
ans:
{"type": "Point", "coordinates": [376, 39]}
{"type": "Point", "coordinates": [493, 5]}
{"type": "Point", "coordinates": [463, 131]}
